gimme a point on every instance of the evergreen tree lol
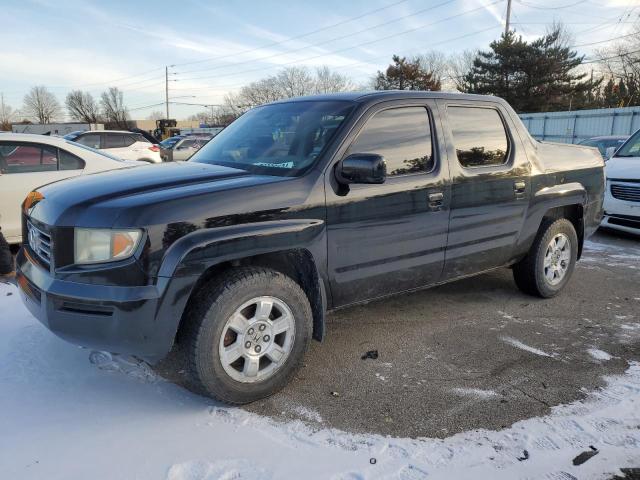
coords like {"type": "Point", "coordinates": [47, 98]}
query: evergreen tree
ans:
{"type": "Point", "coordinates": [533, 77]}
{"type": "Point", "coordinates": [405, 74]}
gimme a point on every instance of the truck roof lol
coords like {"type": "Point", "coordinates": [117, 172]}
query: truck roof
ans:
{"type": "Point", "coordinates": [390, 95]}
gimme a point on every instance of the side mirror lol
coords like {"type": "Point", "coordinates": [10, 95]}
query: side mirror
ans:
{"type": "Point", "coordinates": [609, 152]}
{"type": "Point", "coordinates": [362, 168]}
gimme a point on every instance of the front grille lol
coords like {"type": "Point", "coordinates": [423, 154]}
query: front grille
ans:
{"type": "Point", "coordinates": [40, 244]}
{"type": "Point", "coordinates": [630, 193]}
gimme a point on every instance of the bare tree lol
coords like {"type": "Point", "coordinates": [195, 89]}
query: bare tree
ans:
{"type": "Point", "coordinates": [619, 67]}
{"type": "Point", "coordinates": [295, 81]}
{"type": "Point", "coordinates": [41, 105]}
{"type": "Point", "coordinates": [6, 115]}
{"type": "Point", "coordinates": [457, 68]}
{"type": "Point", "coordinates": [82, 106]}
{"type": "Point", "coordinates": [156, 115]}
{"type": "Point", "coordinates": [327, 81]}
{"type": "Point", "coordinates": [113, 109]}
{"type": "Point", "coordinates": [289, 82]}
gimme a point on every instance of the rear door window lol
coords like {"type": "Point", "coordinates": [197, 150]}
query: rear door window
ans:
{"type": "Point", "coordinates": [90, 140]}
{"type": "Point", "coordinates": [479, 136]}
{"type": "Point", "coordinates": [114, 140]}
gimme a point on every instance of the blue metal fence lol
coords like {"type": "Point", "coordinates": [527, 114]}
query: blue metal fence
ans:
{"type": "Point", "coordinates": [572, 127]}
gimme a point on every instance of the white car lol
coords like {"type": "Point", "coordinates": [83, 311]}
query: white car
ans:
{"type": "Point", "coordinates": [121, 143]}
{"type": "Point", "coordinates": [622, 193]}
{"type": "Point", "coordinates": [28, 161]}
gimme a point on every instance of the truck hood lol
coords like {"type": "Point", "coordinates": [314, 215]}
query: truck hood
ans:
{"type": "Point", "coordinates": [627, 168]}
{"type": "Point", "coordinates": [97, 199]}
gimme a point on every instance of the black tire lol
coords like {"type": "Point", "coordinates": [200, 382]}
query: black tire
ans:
{"type": "Point", "coordinates": [529, 272]}
{"type": "Point", "coordinates": [204, 326]}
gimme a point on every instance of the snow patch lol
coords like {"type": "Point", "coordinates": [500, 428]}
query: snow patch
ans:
{"type": "Point", "coordinates": [475, 392]}
{"type": "Point", "coordinates": [633, 326]}
{"type": "Point", "coordinates": [222, 470]}
{"type": "Point", "coordinates": [126, 364]}
{"type": "Point", "coordinates": [308, 414]}
{"type": "Point", "coordinates": [518, 344]}
{"type": "Point", "coordinates": [599, 354]}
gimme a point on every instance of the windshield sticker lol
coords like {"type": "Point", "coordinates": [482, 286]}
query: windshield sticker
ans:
{"type": "Point", "coordinates": [275, 165]}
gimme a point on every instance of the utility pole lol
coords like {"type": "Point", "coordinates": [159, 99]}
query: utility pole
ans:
{"type": "Point", "coordinates": [508, 20]}
{"type": "Point", "coordinates": [166, 88]}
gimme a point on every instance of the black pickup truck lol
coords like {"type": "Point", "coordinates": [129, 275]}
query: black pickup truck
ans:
{"type": "Point", "coordinates": [300, 207]}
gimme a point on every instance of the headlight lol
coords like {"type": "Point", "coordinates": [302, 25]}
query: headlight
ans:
{"type": "Point", "coordinates": [93, 245]}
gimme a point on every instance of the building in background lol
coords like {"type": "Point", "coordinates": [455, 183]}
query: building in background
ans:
{"type": "Point", "coordinates": [578, 125]}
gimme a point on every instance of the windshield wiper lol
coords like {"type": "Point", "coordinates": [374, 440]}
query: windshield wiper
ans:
{"type": "Point", "coordinates": [625, 155]}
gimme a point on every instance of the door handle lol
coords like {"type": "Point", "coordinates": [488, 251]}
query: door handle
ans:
{"type": "Point", "coordinates": [435, 200]}
{"type": "Point", "coordinates": [519, 187]}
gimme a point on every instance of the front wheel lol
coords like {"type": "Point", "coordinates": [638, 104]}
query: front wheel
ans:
{"type": "Point", "coordinates": [551, 260]}
{"type": "Point", "coordinates": [247, 334]}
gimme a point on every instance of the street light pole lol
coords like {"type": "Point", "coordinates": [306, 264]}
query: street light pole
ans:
{"type": "Point", "coordinates": [166, 89]}
{"type": "Point", "coordinates": [508, 19]}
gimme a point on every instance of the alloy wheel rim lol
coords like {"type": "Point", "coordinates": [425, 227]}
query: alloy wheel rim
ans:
{"type": "Point", "coordinates": [557, 259]}
{"type": "Point", "coordinates": [257, 339]}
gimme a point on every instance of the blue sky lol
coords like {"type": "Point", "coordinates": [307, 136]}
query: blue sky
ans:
{"type": "Point", "coordinates": [217, 47]}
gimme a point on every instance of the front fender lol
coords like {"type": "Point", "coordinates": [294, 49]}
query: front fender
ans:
{"type": "Point", "coordinates": [196, 252]}
{"type": "Point", "coordinates": [189, 257]}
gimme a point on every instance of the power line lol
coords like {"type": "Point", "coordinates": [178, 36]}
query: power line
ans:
{"type": "Point", "coordinates": [386, 56]}
{"type": "Point", "coordinates": [483, 7]}
{"type": "Point", "coordinates": [366, 14]}
{"type": "Point", "coordinates": [564, 23]}
{"type": "Point", "coordinates": [538, 7]}
{"type": "Point", "coordinates": [324, 42]}
{"type": "Point", "coordinates": [604, 41]}
{"type": "Point", "coordinates": [86, 85]}
{"type": "Point", "coordinates": [620, 55]}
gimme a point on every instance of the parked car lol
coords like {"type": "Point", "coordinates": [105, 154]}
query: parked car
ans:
{"type": "Point", "coordinates": [299, 207]}
{"type": "Point", "coordinates": [121, 143]}
{"type": "Point", "coordinates": [605, 144]}
{"type": "Point", "coordinates": [167, 144]}
{"type": "Point", "coordinates": [28, 161]}
{"type": "Point", "coordinates": [622, 193]}
{"type": "Point", "coordinates": [186, 147]}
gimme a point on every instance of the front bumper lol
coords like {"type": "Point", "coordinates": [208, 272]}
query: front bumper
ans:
{"type": "Point", "coordinates": [620, 214]}
{"type": "Point", "coordinates": [127, 320]}
{"type": "Point", "coordinates": [624, 223]}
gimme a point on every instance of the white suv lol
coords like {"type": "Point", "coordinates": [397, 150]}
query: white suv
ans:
{"type": "Point", "coordinates": [121, 143]}
{"type": "Point", "coordinates": [622, 194]}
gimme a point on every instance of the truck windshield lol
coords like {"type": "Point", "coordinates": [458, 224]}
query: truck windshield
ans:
{"type": "Point", "coordinates": [282, 139]}
{"type": "Point", "coordinates": [631, 148]}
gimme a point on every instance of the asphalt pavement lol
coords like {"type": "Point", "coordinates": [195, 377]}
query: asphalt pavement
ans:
{"type": "Point", "coordinates": [472, 354]}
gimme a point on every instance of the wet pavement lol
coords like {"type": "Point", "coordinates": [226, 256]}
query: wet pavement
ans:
{"type": "Point", "coordinates": [472, 354]}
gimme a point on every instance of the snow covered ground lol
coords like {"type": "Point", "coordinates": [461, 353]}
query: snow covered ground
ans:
{"type": "Point", "coordinates": [68, 413]}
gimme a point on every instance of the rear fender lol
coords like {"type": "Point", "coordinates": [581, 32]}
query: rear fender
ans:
{"type": "Point", "coordinates": [543, 201]}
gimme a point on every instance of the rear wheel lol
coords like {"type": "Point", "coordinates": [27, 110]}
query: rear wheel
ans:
{"type": "Point", "coordinates": [551, 260]}
{"type": "Point", "coordinates": [247, 334]}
